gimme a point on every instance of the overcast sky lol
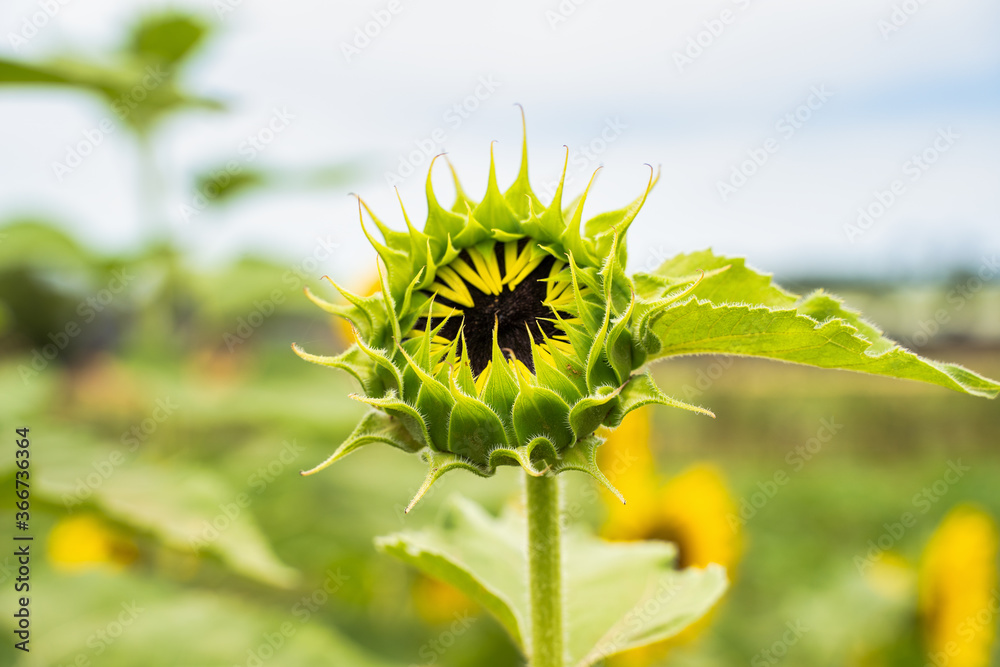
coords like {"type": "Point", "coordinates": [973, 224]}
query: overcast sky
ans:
{"type": "Point", "coordinates": [773, 122]}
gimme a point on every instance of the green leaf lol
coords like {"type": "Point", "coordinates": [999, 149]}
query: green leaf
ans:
{"type": "Point", "coordinates": [177, 505]}
{"type": "Point", "coordinates": [619, 596]}
{"type": "Point", "coordinates": [13, 72]}
{"type": "Point", "coordinates": [736, 284]}
{"type": "Point", "coordinates": [700, 327]}
{"type": "Point", "coordinates": [219, 625]}
{"type": "Point", "coordinates": [626, 595]}
{"type": "Point", "coordinates": [167, 38]}
{"type": "Point", "coordinates": [476, 554]}
{"type": "Point", "coordinates": [822, 306]}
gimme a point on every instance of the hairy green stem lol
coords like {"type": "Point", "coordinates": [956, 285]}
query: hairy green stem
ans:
{"type": "Point", "coordinates": [545, 570]}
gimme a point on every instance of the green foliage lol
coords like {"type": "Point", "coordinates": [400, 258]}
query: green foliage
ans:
{"type": "Point", "coordinates": [167, 38]}
{"type": "Point", "coordinates": [740, 312]}
{"type": "Point", "coordinates": [141, 83]}
{"type": "Point", "coordinates": [618, 595]}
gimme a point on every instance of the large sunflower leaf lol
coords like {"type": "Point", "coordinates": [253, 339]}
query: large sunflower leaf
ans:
{"type": "Point", "coordinates": [624, 595]}
{"type": "Point", "coordinates": [477, 554]}
{"type": "Point", "coordinates": [186, 509]}
{"type": "Point", "coordinates": [726, 280]}
{"type": "Point", "coordinates": [701, 327]}
{"type": "Point", "coordinates": [618, 596]}
{"type": "Point", "coordinates": [166, 625]}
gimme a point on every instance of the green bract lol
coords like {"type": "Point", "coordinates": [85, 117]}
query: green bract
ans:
{"type": "Point", "coordinates": [506, 331]}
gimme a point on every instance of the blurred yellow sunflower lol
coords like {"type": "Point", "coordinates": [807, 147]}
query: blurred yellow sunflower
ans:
{"type": "Point", "coordinates": [86, 542]}
{"type": "Point", "coordinates": [689, 509]}
{"type": "Point", "coordinates": [958, 596]}
{"type": "Point", "coordinates": [438, 603]}
{"type": "Point", "coordinates": [366, 287]}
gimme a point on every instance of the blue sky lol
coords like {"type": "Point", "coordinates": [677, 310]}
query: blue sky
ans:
{"type": "Point", "coordinates": [611, 69]}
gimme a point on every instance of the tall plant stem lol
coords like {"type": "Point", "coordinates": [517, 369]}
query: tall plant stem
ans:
{"type": "Point", "coordinates": [545, 570]}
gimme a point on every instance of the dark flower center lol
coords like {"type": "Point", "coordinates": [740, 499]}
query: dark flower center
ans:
{"type": "Point", "coordinates": [519, 315]}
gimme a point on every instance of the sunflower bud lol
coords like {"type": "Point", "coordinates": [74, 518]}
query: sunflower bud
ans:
{"type": "Point", "coordinates": [505, 333]}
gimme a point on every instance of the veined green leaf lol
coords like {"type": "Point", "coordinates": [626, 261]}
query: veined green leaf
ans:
{"type": "Point", "coordinates": [700, 327]}
{"type": "Point", "coordinates": [174, 504]}
{"type": "Point", "coordinates": [736, 284]}
{"type": "Point", "coordinates": [475, 553]}
{"type": "Point", "coordinates": [626, 595]}
{"type": "Point", "coordinates": [621, 595]}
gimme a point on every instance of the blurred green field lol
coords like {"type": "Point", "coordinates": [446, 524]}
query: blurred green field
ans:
{"type": "Point", "coordinates": [189, 452]}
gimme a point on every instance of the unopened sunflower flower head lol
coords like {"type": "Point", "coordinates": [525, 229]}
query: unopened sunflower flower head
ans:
{"type": "Point", "coordinates": [506, 332]}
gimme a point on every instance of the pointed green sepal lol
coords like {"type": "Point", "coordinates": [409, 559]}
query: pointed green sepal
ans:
{"type": "Point", "coordinates": [583, 457]}
{"type": "Point", "coordinates": [375, 426]}
{"type": "Point", "coordinates": [474, 430]}
{"type": "Point", "coordinates": [590, 412]}
{"type": "Point", "coordinates": [541, 412]}
{"type": "Point", "coordinates": [407, 415]}
{"type": "Point", "coordinates": [440, 463]}
{"type": "Point", "coordinates": [641, 390]}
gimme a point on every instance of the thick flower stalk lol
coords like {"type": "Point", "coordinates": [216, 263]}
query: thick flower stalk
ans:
{"type": "Point", "coordinates": [507, 331]}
